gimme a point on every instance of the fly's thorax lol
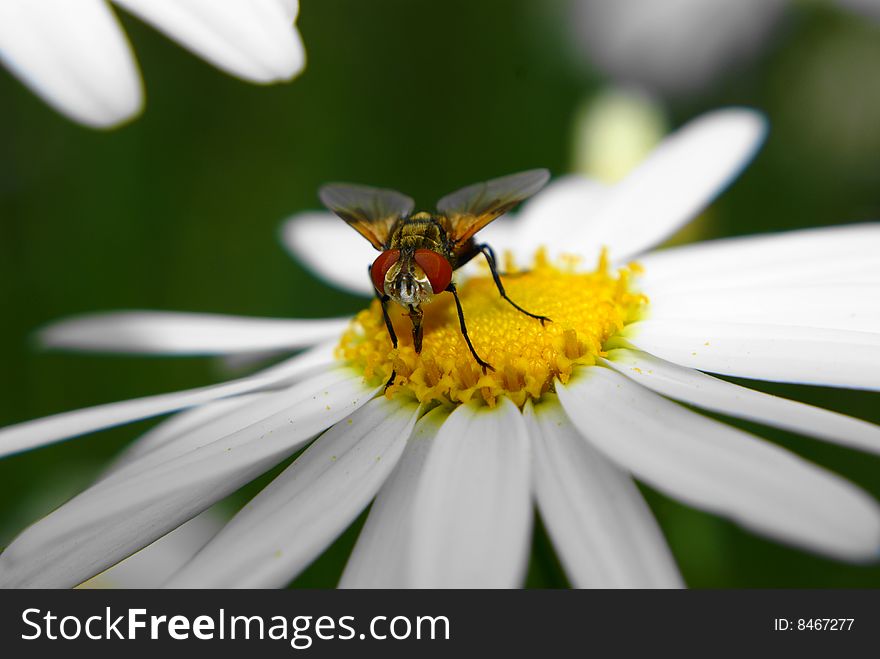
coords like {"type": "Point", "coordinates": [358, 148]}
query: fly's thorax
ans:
{"type": "Point", "coordinates": [406, 282]}
{"type": "Point", "coordinates": [420, 231]}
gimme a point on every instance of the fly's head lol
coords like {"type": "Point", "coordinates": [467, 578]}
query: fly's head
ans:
{"type": "Point", "coordinates": [407, 284]}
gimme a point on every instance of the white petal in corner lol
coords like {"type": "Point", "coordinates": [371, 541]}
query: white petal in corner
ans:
{"type": "Point", "coordinates": [251, 39]}
{"type": "Point", "coordinates": [40, 432]}
{"type": "Point", "coordinates": [472, 511]}
{"type": "Point", "coordinates": [792, 258]}
{"type": "Point", "coordinates": [331, 249]}
{"type": "Point", "coordinates": [303, 510]}
{"type": "Point", "coordinates": [179, 333]}
{"type": "Point", "coordinates": [718, 468]}
{"type": "Point", "coordinates": [140, 503]}
{"type": "Point", "coordinates": [696, 388]}
{"type": "Point", "coordinates": [601, 527]}
{"type": "Point", "coordinates": [74, 55]}
{"type": "Point", "coordinates": [778, 353]}
{"type": "Point", "coordinates": [680, 177]}
{"type": "Point", "coordinates": [383, 552]}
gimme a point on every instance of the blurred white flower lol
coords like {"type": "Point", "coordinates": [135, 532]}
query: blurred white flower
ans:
{"type": "Point", "coordinates": [75, 55]}
{"type": "Point", "coordinates": [680, 47]}
{"type": "Point", "coordinates": [457, 459]}
{"type": "Point", "coordinates": [867, 8]}
{"type": "Point", "coordinates": [672, 47]}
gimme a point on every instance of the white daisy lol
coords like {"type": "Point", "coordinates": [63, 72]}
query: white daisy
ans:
{"type": "Point", "coordinates": [76, 57]}
{"type": "Point", "coordinates": [681, 47]}
{"type": "Point", "coordinates": [572, 413]}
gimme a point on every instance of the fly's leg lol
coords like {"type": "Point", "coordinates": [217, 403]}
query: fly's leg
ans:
{"type": "Point", "coordinates": [489, 253]}
{"type": "Point", "coordinates": [383, 299]}
{"type": "Point", "coordinates": [485, 365]}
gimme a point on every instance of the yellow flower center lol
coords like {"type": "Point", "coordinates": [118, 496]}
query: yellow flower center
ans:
{"type": "Point", "coordinates": [587, 309]}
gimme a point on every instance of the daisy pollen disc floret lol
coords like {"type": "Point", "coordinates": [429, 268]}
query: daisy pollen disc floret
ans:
{"type": "Point", "coordinates": [587, 309]}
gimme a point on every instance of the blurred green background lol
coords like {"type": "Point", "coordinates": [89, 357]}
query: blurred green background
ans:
{"type": "Point", "coordinates": [180, 210]}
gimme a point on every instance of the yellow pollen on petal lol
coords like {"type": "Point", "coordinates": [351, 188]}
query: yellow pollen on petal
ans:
{"type": "Point", "coordinates": [586, 309]}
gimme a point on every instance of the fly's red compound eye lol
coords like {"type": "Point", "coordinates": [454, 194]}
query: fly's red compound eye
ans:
{"type": "Point", "coordinates": [436, 267]}
{"type": "Point", "coordinates": [381, 266]}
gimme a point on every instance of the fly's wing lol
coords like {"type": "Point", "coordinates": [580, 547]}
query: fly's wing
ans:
{"type": "Point", "coordinates": [372, 212]}
{"type": "Point", "coordinates": [470, 209]}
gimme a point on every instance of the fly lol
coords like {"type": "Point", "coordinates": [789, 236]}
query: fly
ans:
{"type": "Point", "coordinates": [420, 251]}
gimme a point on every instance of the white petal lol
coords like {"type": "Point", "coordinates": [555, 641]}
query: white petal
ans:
{"type": "Point", "coordinates": [792, 258]}
{"type": "Point", "coordinates": [560, 217]}
{"type": "Point", "coordinates": [384, 546]}
{"type": "Point", "coordinates": [682, 175]}
{"type": "Point", "coordinates": [152, 565]}
{"type": "Point", "coordinates": [472, 510]}
{"type": "Point", "coordinates": [602, 529]}
{"type": "Point", "coordinates": [832, 306]}
{"type": "Point", "coordinates": [778, 353]}
{"type": "Point", "coordinates": [333, 250]}
{"type": "Point", "coordinates": [251, 39]}
{"type": "Point", "coordinates": [291, 7]}
{"type": "Point", "coordinates": [696, 388]}
{"type": "Point", "coordinates": [143, 501]}
{"type": "Point", "coordinates": [223, 422]}
{"type": "Point", "coordinates": [40, 432]}
{"type": "Point", "coordinates": [303, 510]}
{"type": "Point", "coordinates": [503, 236]}
{"type": "Point", "coordinates": [178, 425]}
{"type": "Point", "coordinates": [178, 333]}
{"type": "Point", "coordinates": [74, 55]}
{"type": "Point", "coordinates": [718, 468]}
